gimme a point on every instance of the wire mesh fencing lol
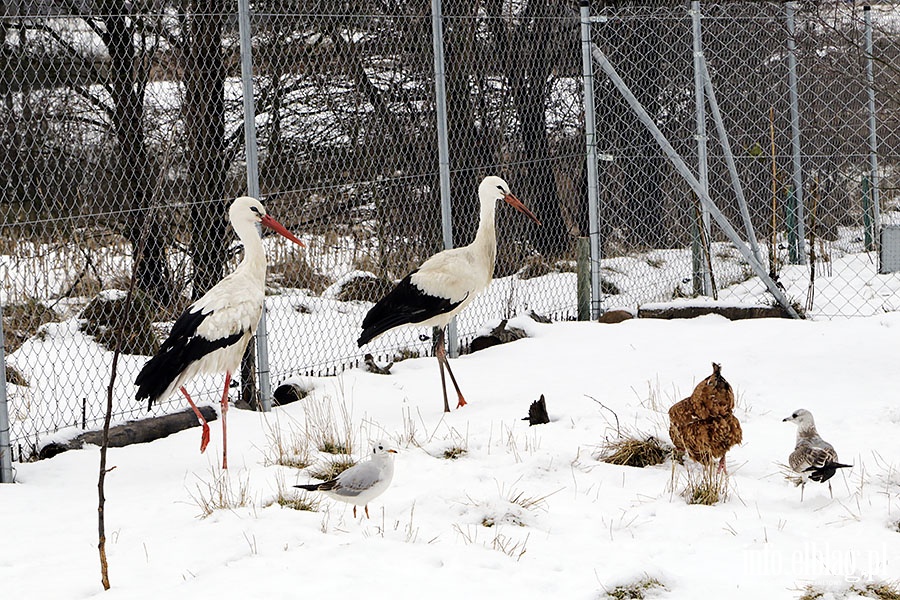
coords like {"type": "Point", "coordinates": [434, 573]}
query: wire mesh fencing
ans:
{"type": "Point", "coordinates": [125, 131]}
{"type": "Point", "coordinates": [801, 152]}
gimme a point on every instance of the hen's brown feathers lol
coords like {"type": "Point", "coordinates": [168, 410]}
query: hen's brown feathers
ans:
{"type": "Point", "coordinates": [703, 424]}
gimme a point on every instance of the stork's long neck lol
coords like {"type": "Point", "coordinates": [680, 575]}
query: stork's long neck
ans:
{"type": "Point", "coordinates": [254, 261]}
{"type": "Point", "coordinates": [485, 242]}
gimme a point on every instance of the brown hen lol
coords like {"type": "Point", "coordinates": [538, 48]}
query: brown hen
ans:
{"type": "Point", "coordinates": [703, 424]}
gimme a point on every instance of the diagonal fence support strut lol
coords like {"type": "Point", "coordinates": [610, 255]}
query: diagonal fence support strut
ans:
{"type": "Point", "coordinates": [729, 160]}
{"type": "Point", "coordinates": [686, 174]}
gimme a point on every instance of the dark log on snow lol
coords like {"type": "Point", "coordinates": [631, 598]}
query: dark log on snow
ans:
{"type": "Point", "coordinates": [501, 334]}
{"type": "Point", "coordinates": [133, 432]}
{"type": "Point", "coordinates": [734, 313]}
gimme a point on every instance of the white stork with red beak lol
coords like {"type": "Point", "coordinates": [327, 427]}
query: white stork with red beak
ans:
{"type": "Point", "coordinates": [445, 283]}
{"type": "Point", "coordinates": [212, 334]}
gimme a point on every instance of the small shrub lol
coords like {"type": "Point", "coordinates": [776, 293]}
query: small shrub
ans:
{"type": "Point", "coordinates": [636, 451]}
{"type": "Point", "coordinates": [14, 377]}
{"type": "Point", "coordinates": [296, 272]}
{"type": "Point", "coordinates": [108, 319]}
{"type": "Point", "coordinates": [366, 288]}
{"type": "Point", "coordinates": [405, 353]}
{"type": "Point", "coordinates": [23, 320]}
{"type": "Point", "coordinates": [609, 288]}
{"type": "Point", "coordinates": [535, 266]}
{"type": "Point", "coordinates": [635, 591]}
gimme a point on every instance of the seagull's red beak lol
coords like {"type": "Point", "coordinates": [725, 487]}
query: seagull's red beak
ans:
{"type": "Point", "coordinates": [517, 204]}
{"type": "Point", "coordinates": [279, 228]}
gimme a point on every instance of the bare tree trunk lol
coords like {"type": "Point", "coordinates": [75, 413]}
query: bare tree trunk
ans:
{"type": "Point", "coordinates": [205, 125]}
{"type": "Point", "coordinates": [528, 70]}
{"type": "Point", "coordinates": [127, 81]}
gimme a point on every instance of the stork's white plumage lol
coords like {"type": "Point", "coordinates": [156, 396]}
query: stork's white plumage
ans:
{"type": "Point", "coordinates": [212, 334]}
{"type": "Point", "coordinates": [445, 283]}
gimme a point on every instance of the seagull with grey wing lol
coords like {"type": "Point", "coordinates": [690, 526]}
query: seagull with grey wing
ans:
{"type": "Point", "coordinates": [813, 458]}
{"type": "Point", "coordinates": [362, 482]}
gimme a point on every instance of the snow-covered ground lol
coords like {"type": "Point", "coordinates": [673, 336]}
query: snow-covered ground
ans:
{"type": "Point", "coordinates": [524, 512]}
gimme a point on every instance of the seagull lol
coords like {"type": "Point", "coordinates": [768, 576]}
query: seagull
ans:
{"type": "Point", "coordinates": [362, 482]}
{"type": "Point", "coordinates": [445, 283]}
{"type": "Point", "coordinates": [212, 334]}
{"type": "Point", "coordinates": [813, 458]}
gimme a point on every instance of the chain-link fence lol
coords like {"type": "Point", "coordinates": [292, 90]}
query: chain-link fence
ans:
{"type": "Point", "coordinates": [124, 131]}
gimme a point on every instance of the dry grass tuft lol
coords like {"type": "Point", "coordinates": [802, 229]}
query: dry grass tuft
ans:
{"type": "Point", "coordinates": [222, 492]}
{"type": "Point", "coordinates": [331, 468]}
{"type": "Point", "coordinates": [879, 591]}
{"type": "Point", "coordinates": [454, 452]}
{"type": "Point", "coordinates": [328, 432]}
{"type": "Point", "coordinates": [287, 448]}
{"type": "Point", "coordinates": [643, 451]}
{"type": "Point", "coordinates": [708, 488]}
{"type": "Point", "coordinates": [290, 497]}
{"type": "Point", "coordinates": [637, 590]}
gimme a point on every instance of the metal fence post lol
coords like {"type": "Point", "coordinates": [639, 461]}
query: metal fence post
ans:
{"type": "Point", "coordinates": [6, 475]}
{"type": "Point", "coordinates": [261, 339]}
{"type": "Point", "coordinates": [683, 170]}
{"type": "Point", "coordinates": [701, 272]}
{"type": "Point", "coordinates": [590, 138]}
{"type": "Point", "coordinates": [440, 102]}
{"type": "Point", "coordinates": [789, 8]}
{"type": "Point", "coordinates": [873, 136]}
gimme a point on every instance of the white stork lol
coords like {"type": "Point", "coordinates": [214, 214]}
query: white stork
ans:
{"type": "Point", "coordinates": [212, 334]}
{"type": "Point", "coordinates": [445, 283]}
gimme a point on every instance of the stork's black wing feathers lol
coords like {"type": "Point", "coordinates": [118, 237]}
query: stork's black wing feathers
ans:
{"type": "Point", "coordinates": [404, 304]}
{"type": "Point", "coordinates": [181, 348]}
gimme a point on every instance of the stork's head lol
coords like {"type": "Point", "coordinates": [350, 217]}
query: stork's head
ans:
{"type": "Point", "coordinates": [382, 450]}
{"type": "Point", "coordinates": [246, 210]}
{"type": "Point", "coordinates": [493, 188]}
{"type": "Point", "coordinates": [802, 417]}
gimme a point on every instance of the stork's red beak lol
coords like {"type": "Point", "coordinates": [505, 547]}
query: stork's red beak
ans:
{"type": "Point", "coordinates": [279, 228]}
{"type": "Point", "coordinates": [517, 204]}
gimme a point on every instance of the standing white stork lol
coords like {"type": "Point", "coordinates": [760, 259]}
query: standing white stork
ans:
{"type": "Point", "coordinates": [212, 334]}
{"type": "Point", "coordinates": [445, 283]}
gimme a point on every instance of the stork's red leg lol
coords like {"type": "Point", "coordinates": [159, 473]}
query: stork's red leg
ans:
{"type": "Point", "coordinates": [225, 410]}
{"type": "Point", "coordinates": [204, 437]}
{"type": "Point", "coordinates": [722, 468]}
{"type": "Point", "coordinates": [461, 401]}
{"type": "Point", "coordinates": [441, 355]}
{"type": "Point", "coordinates": [367, 511]}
